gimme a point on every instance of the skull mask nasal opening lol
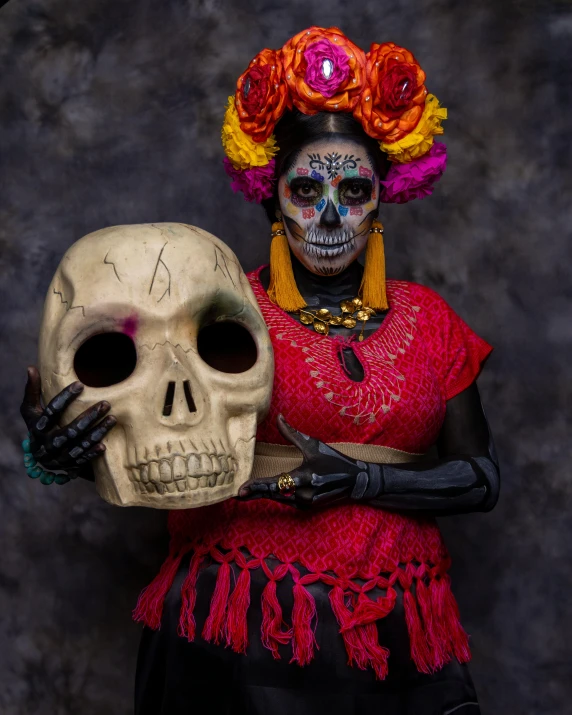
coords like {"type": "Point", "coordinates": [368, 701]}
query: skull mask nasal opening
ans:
{"type": "Point", "coordinates": [170, 398]}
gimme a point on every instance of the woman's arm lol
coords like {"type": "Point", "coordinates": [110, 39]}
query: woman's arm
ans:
{"type": "Point", "coordinates": [463, 478]}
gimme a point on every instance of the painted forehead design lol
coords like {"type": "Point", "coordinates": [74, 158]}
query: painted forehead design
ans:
{"type": "Point", "coordinates": [354, 160]}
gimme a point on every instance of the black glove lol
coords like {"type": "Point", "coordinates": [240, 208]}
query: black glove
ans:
{"type": "Point", "coordinates": [71, 447]}
{"type": "Point", "coordinates": [324, 477]}
{"type": "Point", "coordinates": [464, 478]}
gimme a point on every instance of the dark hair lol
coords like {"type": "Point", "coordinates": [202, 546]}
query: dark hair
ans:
{"type": "Point", "coordinates": [295, 130]}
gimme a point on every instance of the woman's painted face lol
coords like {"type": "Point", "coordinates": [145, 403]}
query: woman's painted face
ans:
{"type": "Point", "coordinates": [329, 198]}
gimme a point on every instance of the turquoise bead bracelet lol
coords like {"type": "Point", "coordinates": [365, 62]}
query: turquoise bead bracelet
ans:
{"type": "Point", "coordinates": [35, 471]}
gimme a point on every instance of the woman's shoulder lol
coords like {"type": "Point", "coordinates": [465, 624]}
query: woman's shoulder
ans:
{"type": "Point", "coordinates": [421, 297]}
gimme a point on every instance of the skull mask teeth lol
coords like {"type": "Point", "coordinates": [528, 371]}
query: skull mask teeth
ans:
{"type": "Point", "coordinates": [182, 470]}
{"type": "Point", "coordinates": [160, 321]}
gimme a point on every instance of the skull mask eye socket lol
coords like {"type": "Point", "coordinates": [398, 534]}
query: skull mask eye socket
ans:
{"type": "Point", "coordinates": [105, 359]}
{"type": "Point", "coordinates": [227, 347]}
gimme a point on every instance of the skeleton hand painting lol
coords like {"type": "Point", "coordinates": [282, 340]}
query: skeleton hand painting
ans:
{"type": "Point", "coordinates": [160, 322]}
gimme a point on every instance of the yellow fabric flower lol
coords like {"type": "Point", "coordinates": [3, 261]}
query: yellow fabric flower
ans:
{"type": "Point", "coordinates": [243, 152]}
{"type": "Point", "coordinates": [419, 141]}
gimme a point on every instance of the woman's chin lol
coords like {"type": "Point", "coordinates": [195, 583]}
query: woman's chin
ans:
{"type": "Point", "coordinates": [326, 266]}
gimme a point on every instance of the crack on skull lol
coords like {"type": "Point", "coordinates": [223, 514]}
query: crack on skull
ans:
{"type": "Point", "coordinates": [240, 311]}
{"type": "Point", "coordinates": [218, 266]}
{"type": "Point", "coordinates": [246, 441]}
{"type": "Point", "coordinates": [111, 263]}
{"type": "Point", "coordinates": [160, 261]}
{"type": "Point", "coordinates": [168, 342]}
{"type": "Point", "coordinates": [67, 304]}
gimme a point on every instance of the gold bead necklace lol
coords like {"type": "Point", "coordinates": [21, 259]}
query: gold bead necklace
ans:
{"type": "Point", "coordinates": [353, 311]}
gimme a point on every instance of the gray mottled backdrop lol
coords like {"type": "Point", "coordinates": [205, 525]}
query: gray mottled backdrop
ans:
{"type": "Point", "coordinates": [110, 113]}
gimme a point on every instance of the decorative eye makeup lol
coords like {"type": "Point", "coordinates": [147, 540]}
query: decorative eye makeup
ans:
{"type": "Point", "coordinates": [305, 191]}
{"type": "Point", "coordinates": [355, 191]}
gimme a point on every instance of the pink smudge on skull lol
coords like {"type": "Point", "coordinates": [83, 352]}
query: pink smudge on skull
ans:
{"type": "Point", "coordinates": [129, 325]}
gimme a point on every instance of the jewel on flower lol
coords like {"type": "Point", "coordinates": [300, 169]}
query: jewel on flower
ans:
{"type": "Point", "coordinates": [327, 67]}
{"type": "Point", "coordinates": [415, 179]}
{"type": "Point", "coordinates": [324, 70]}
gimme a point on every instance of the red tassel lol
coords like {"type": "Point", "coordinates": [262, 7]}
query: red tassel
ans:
{"type": "Point", "coordinates": [362, 638]}
{"type": "Point", "coordinates": [272, 633]}
{"type": "Point", "coordinates": [303, 613]}
{"type": "Point", "coordinates": [458, 638]}
{"type": "Point", "coordinates": [187, 625]}
{"type": "Point", "coordinates": [236, 625]}
{"type": "Point", "coordinates": [436, 645]}
{"type": "Point", "coordinates": [354, 647]}
{"type": "Point", "coordinates": [213, 630]}
{"type": "Point", "coordinates": [367, 611]}
{"type": "Point", "coordinates": [377, 654]}
{"type": "Point", "coordinates": [417, 640]}
{"type": "Point", "coordinates": [149, 608]}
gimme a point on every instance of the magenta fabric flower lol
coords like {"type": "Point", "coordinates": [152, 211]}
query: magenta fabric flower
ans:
{"type": "Point", "coordinates": [256, 184]}
{"type": "Point", "coordinates": [415, 179]}
{"type": "Point", "coordinates": [327, 68]}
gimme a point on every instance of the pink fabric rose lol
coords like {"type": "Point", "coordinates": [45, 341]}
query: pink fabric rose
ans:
{"type": "Point", "coordinates": [415, 179]}
{"type": "Point", "coordinates": [256, 184]}
{"type": "Point", "coordinates": [327, 67]}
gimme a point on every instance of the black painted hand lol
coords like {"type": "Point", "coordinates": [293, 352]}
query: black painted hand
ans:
{"type": "Point", "coordinates": [71, 447]}
{"type": "Point", "coordinates": [325, 476]}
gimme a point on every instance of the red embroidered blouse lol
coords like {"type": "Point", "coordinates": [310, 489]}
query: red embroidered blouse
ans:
{"type": "Point", "coordinates": [422, 355]}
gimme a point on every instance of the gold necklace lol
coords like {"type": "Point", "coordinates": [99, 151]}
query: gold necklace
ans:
{"type": "Point", "coordinates": [353, 311]}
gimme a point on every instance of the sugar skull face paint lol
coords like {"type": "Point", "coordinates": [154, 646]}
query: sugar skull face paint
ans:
{"type": "Point", "coordinates": [328, 199]}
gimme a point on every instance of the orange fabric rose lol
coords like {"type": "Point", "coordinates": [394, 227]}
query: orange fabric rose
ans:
{"type": "Point", "coordinates": [262, 95]}
{"type": "Point", "coordinates": [334, 66]}
{"type": "Point", "coordinates": [392, 102]}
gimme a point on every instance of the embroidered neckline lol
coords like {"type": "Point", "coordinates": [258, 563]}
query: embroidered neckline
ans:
{"type": "Point", "coordinates": [379, 354]}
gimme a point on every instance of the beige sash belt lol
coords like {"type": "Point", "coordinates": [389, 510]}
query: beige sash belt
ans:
{"type": "Point", "coordinates": [271, 459]}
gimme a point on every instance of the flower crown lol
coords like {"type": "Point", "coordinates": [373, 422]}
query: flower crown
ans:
{"type": "Point", "coordinates": [321, 70]}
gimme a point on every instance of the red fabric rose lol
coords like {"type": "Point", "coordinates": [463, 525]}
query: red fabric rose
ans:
{"type": "Point", "coordinates": [255, 89]}
{"type": "Point", "coordinates": [398, 88]}
{"type": "Point", "coordinates": [262, 95]}
{"type": "Point", "coordinates": [392, 102]}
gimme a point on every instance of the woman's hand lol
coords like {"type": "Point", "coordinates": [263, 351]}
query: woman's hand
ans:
{"type": "Point", "coordinates": [71, 447]}
{"type": "Point", "coordinates": [324, 477]}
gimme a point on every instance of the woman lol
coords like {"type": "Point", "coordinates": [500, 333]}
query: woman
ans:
{"type": "Point", "coordinates": [336, 563]}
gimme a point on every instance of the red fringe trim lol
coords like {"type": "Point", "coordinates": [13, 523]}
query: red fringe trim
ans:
{"type": "Point", "coordinates": [453, 632]}
{"type": "Point", "coordinates": [417, 638]}
{"type": "Point", "coordinates": [303, 637]}
{"type": "Point", "coordinates": [187, 625]}
{"type": "Point", "coordinates": [359, 629]}
{"type": "Point", "coordinates": [149, 608]}
{"type": "Point", "coordinates": [431, 612]}
{"type": "Point", "coordinates": [236, 624]}
{"type": "Point", "coordinates": [272, 634]}
{"type": "Point", "coordinates": [213, 630]}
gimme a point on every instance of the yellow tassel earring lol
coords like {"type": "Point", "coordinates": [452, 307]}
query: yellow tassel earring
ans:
{"type": "Point", "coordinates": [283, 290]}
{"type": "Point", "coordinates": [372, 289]}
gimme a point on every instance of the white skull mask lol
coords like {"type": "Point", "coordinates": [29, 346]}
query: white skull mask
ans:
{"type": "Point", "coordinates": [160, 321]}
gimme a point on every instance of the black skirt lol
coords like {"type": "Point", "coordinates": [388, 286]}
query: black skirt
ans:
{"type": "Point", "coordinates": [175, 677]}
